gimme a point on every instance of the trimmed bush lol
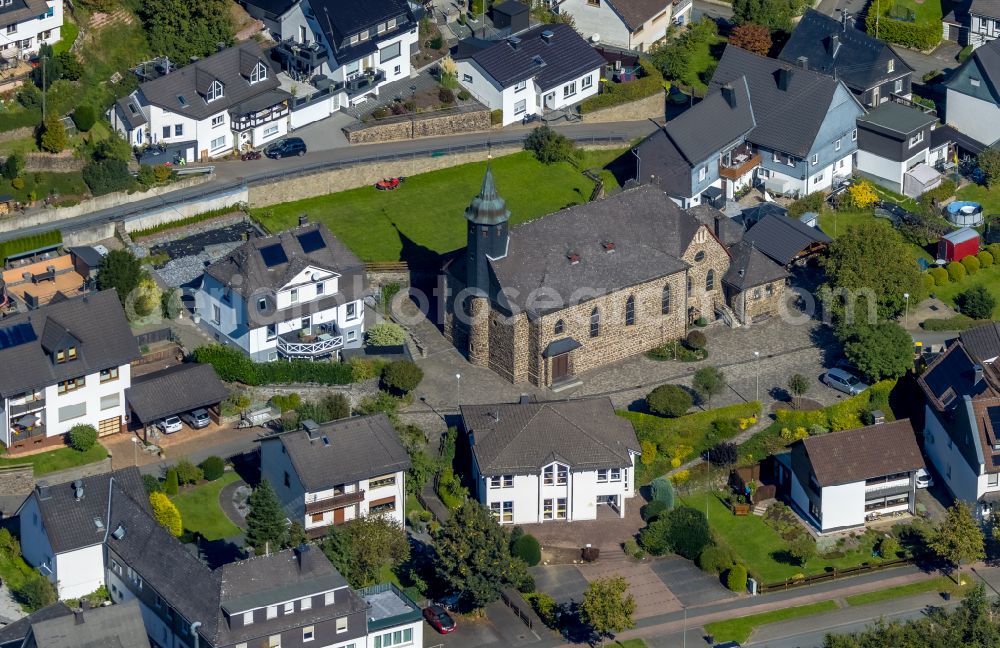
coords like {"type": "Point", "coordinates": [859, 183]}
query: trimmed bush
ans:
{"type": "Point", "coordinates": [715, 559]}
{"type": "Point", "coordinates": [151, 484]}
{"type": "Point", "coordinates": [233, 365]}
{"type": "Point", "coordinates": [170, 484]}
{"type": "Point", "coordinates": [84, 117]}
{"type": "Point", "coordinates": [649, 83]}
{"type": "Point", "coordinates": [82, 437]}
{"type": "Point", "coordinates": [736, 579]}
{"type": "Point", "coordinates": [166, 513]}
{"type": "Point", "coordinates": [696, 340]}
{"type": "Point", "coordinates": [655, 538]}
{"type": "Point", "coordinates": [653, 510]}
{"type": "Point", "coordinates": [187, 472]}
{"type": "Point", "coordinates": [689, 533]}
{"type": "Point", "coordinates": [985, 259]}
{"type": "Point", "coordinates": [994, 250]}
{"type": "Point", "coordinates": [928, 282]}
{"type": "Point", "coordinates": [976, 302]}
{"type": "Point", "coordinates": [663, 491]}
{"type": "Point", "coordinates": [632, 549]}
{"type": "Point", "coordinates": [402, 376]}
{"type": "Point", "coordinates": [971, 264]}
{"type": "Point", "coordinates": [28, 243]}
{"type": "Point", "coordinates": [917, 35]}
{"type": "Point", "coordinates": [286, 402]}
{"type": "Point", "coordinates": [386, 334]}
{"type": "Point", "coordinates": [496, 116]}
{"type": "Point", "coordinates": [940, 276]}
{"type": "Point", "coordinates": [956, 271]}
{"type": "Point", "coordinates": [527, 549]}
{"type": "Point", "coordinates": [669, 400]}
{"type": "Point", "coordinates": [213, 468]}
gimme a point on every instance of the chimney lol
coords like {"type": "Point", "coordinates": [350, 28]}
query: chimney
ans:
{"type": "Point", "coordinates": [729, 94]}
{"type": "Point", "coordinates": [977, 374]}
{"type": "Point", "coordinates": [311, 428]}
{"type": "Point", "coordinates": [803, 62]}
{"type": "Point", "coordinates": [303, 220]}
{"type": "Point", "coordinates": [300, 553]}
{"type": "Point", "coordinates": [513, 41]}
{"type": "Point", "coordinates": [784, 76]}
{"type": "Point", "coordinates": [78, 489]}
{"type": "Point", "coordinates": [524, 400]}
{"type": "Point", "coordinates": [547, 35]}
{"type": "Point", "coordinates": [220, 46]}
{"type": "Point", "coordinates": [77, 617]}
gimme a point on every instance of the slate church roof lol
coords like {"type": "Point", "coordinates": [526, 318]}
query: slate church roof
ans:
{"type": "Point", "coordinates": [521, 438]}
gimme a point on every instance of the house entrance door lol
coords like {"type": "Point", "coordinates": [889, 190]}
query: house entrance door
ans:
{"type": "Point", "coordinates": [338, 516]}
{"type": "Point", "coordinates": [560, 367]}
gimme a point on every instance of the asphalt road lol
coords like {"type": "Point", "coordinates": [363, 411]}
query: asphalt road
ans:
{"type": "Point", "coordinates": [231, 174]}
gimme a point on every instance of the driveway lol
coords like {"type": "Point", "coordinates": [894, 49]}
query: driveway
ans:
{"type": "Point", "coordinates": [689, 584]}
{"type": "Point", "coordinates": [326, 134]}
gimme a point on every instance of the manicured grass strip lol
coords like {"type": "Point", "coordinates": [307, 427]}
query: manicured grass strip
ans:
{"type": "Point", "coordinates": [740, 629]}
{"type": "Point", "coordinates": [60, 459]}
{"type": "Point", "coordinates": [184, 222]}
{"type": "Point", "coordinates": [939, 584]}
{"type": "Point", "coordinates": [66, 37]}
{"type": "Point", "coordinates": [632, 643]}
{"type": "Point", "coordinates": [201, 512]}
{"type": "Point", "coordinates": [426, 215]}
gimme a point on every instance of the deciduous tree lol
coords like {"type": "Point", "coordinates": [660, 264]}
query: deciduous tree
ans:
{"type": "Point", "coordinates": [362, 547]}
{"type": "Point", "coordinates": [181, 29]}
{"type": "Point", "coordinates": [607, 607]}
{"type": "Point", "coordinates": [989, 164]}
{"type": "Point", "coordinates": [708, 382]}
{"type": "Point", "coordinates": [798, 385]}
{"type": "Point", "coordinates": [669, 400]}
{"type": "Point", "coordinates": [751, 37]}
{"type": "Point", "coordinates": [958, 538]}
{"type": "Point", "coordinates": [880, 351]}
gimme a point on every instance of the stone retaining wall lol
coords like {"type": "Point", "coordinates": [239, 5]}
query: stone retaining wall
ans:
{"type": "Point", "coordinates": [16, 134]}
{"type": "Point", "coordinates": [448, 122]}
{"type": "Point", "coordinates": [652, 107]}
{"type": "Point", "coordinates": [64, 162]}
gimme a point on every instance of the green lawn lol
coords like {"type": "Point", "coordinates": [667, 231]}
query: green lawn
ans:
{"type": "Point", "coordinates": [66, 37]}
{"type": "Point", "coordinates": [740, 629]}
{"type": "Point", "coordinates": [201, 512]}
{"type": "Point", "coordinates": [701, 60]}
{"type": "Point", "coordinates": [988, 278]}
{"type": "Point", "coordinates": [631, 643]}
{"type": "Point", "coordinates": [691, 432]}
{"type": "Point", "coordinates": [60, 459]}
{"type": "Point", "coordinates": [427, 211]}
{"type": "Point", "coordinates": [836, 223]}
{"type": "Point", "coordinates": [939, 584]}
{"type": "Point", "coordinates": [45, 182]}
{"type": "Point", "coordinates": [988, 198]}
{"type": "Point", "coordinates": [760, 546]}
{"type": "Point", "coordinates": [925, 11]}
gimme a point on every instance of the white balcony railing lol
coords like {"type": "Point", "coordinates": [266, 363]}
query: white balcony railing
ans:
{"type": "Point", "coordinates": [322, 346]}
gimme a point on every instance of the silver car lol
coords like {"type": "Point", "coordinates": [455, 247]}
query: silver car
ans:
{"type": "Point", "coordinates": [197, 419]}
{"type": "Point", "coordinates": [845, 381]}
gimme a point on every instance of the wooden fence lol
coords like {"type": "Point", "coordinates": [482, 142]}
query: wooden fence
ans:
{"type": "Point", "coordinates": [834, 574]}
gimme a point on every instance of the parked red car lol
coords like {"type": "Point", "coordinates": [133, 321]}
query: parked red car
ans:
{"type": "Point", "coordinates": [439, 619]}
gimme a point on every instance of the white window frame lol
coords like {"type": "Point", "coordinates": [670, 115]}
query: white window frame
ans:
{"type": "Point", "coordinates": [917, 139]}
{"type": "Point", "coordinates": [466, 78]}
{"type": "Point", "coordinates": [814, 160]}
{"type": "Point", "coordinates": [836, 145]}
{"type": "Point", "coordinates": [248, 618]}
{"type": "Point", "coordinates": [587, 82]}
{"type": "Point", "coordinates": [569, 89]}
{"type": "Point", "coordinates": [898, 88]}
{"type": "Point", "coordinates": [519, 86]}
{"type": "Point", "coordinates": [854, 135]}
{"type": "Point", "coordinates": [218, 120]}
{"type": "Point", "coordinates": [341, 625]}
{"type": "Point", "coordinates": [520, 107]}
{"type": "Point", "coordinates": [495, 482]}
{"type": "Point", "coordinates": [272, 611]}
{"type": "Point", "coordinates": [215, 91]}
{"type": "Point", "coordinates": [702, 174]}
{"type": "Point", "coordinates": [217, 143]}
{"type": "Point", "coordinates": [270, 130]}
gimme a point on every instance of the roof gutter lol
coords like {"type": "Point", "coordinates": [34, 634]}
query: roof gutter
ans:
{"type": "Point", "coordinates": [107, 525]}
{"type": "Point", "coordinates": [194, 632]}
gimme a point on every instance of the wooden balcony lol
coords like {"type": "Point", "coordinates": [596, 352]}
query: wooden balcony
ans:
{"type": "Point", "coordinates": [739, 165]}
{"type": "Point", "coordinates": [336, 502]}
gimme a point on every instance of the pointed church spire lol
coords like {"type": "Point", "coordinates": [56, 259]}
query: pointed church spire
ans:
{"type": "Point", "coordinates": [488, 208]}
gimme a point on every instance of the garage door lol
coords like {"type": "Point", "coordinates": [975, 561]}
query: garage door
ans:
{"type": "Point", "coordinates": [109, 426]}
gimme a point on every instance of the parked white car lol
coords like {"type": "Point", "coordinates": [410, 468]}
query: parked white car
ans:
{"type": "Point", "coordinates": [924, 479]}
{"type": "Point", "coordinates": [170, 425]}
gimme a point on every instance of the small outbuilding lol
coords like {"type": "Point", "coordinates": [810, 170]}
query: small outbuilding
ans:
{"type": "Point", "coordinates": [511, 15]}
{"type": "Point", "coordinates": [955, 246]}
{"type": "Point", "coordinates": [174, 391]}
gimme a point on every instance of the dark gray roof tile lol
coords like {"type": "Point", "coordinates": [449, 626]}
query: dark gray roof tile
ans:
{"type": "Point", "coordinates": [341, 19]}
{"type": "Point", "coordinates": [358, 448]}
{"type": "Point", "coordinates": [750, 267]}
{"type": "Point", "coordinates": [636, 12]}
{"type": "Point", "coordinates": [783, 238]}
{"type": "Point", "coordinates": [987, 8]}
{"type": "Point", "coordinates": [176, 389]}
{"type": "Point", "coordinates": [521, 438]}
{"type": "Point", "coordinates": [115, 626]}
{"type": "Point", "coordinates": [566, 56]}
{"type": "Point", "coordinates": [721, 119]}
{"type": "Point", "coordinates": [983, 341]}
{"type": "Point", "coordinates": [896, 120]}
{"type": "Point", "coordinates": [726, 229]}
{"type": "Point", "coordinates": [97, 320]}
{"type": "Point", "coordinates": [12, 635]}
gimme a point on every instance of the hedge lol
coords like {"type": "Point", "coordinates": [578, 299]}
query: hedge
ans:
{"type": "Point", "coordinates": [921, 36]}
{"type": "Point", "coordinates": [956, 323]}
{"type": "Point", "coordinates": [940, 276]}
{"type": "Point", "coordinates": [19, 119]}
{"type": "Point", "coordinates": [233, 365]}
{"type": "Point", "coordinates": [614, 94]}
{"type": "Point", "coordinates": [971, 264]}
{"type": "Point", "coordinates": [24, 244]}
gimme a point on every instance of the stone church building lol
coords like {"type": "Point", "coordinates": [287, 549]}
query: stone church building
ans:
{"type": "Point", "coordinates": [595, 283]}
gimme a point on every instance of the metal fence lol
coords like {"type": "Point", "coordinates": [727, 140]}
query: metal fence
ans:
{"type": "Point", "coordinates": [152, 337]}
{"type": "Point", "coordinates": [834, 574]}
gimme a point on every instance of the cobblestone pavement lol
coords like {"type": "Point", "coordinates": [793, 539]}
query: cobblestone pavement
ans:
{"type": "Point", "coordinates": [784, 349]}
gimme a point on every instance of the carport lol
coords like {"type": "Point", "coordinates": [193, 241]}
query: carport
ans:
{"type": "Point", "coordinates": [173, 391]}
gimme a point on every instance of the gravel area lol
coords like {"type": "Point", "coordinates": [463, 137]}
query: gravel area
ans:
{"type": "Point", "coordinates": [10, 610]}
{"type": "Point", "coordinates": [187, 269]}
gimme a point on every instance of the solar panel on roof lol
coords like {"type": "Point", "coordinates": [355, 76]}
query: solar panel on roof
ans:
{"type": "Point", "coordinates": [16, 335]}
{"type": "Point", "coordinates": [311, 241]}
{"type": "Point", "coordinates": [273, 255]}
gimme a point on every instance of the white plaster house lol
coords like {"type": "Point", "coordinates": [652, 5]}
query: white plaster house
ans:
{"type": "Point", "coordinates": [542, 462]}
{"type": "Point", "coordinates": [962, 419]}
{"type": "Point", "coordinates": [548, 67]}
{"type": "Point", "coordinates": [893, 140]}
{"type": "Point", "coordinates": [839, 478]}
{"type": "Point", "coordinates": [297, 294]}
{"type": "Point", "coordinates": [629, 24]}
{"type": "Point", "coordinates": [336, 472]}
{"type": "Point", "coordinates": [229, 100]}
{"type": "Point", "coordinates": [972, 103]}
{"type": "Point", "coordinates": [360, 46]}
{"type": "Point", "coordinates": [63, 529]}
{"type": "Point", "coordinates": [27, 25]}
{"type": "Point", "coordinates": [64, 364]}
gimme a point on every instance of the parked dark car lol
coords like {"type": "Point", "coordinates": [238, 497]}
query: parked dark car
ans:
{"type": "Point", "coordinates": [286, 148]}
{"type": "Point", "coordinates": [439, 619]}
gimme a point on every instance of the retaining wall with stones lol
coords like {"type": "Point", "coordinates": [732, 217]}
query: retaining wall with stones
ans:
{"type": "Point", "coordinates": [402, 127]}
{"type": "Point", "coordinates": [64, 162]}
{"type": "Point", "coordinates": [652, 107]}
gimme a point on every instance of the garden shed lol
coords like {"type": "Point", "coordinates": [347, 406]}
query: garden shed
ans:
{"type": "Point", "coordinates": [959, 244]}
{"type": "Point", "coordinates": [919, 179]}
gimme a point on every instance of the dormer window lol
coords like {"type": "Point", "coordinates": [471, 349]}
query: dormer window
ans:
{"type": "Point", "coordinates": [891, 66]}
{"type": "Point", "coordinates": [259, 73]}
{"type": "Point", "coordinates": [66, 355]}
{"type": "Point", "coordinates": [363, 35]}
{"type": "Point", "coordinates": [214, 91]}
{"type": "Point", "coordinates": [354, 39]}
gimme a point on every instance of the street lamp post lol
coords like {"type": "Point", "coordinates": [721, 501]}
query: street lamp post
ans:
{"type": "Point", "coordinates": [756, 366]}
{"type": "Point", "coordinates": [458, 385]}
{"type": "Point", "coordinates": [906, 310]}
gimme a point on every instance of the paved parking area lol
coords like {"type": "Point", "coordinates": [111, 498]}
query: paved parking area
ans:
{"type": "Point", "coordinates": [325, 134]}
{"type": "Point", "coordinates": [564, 583]}
{"type": "Point", "coordinates": [652, 596]}
{"type": "Point", "coordinates": [689, 584]}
